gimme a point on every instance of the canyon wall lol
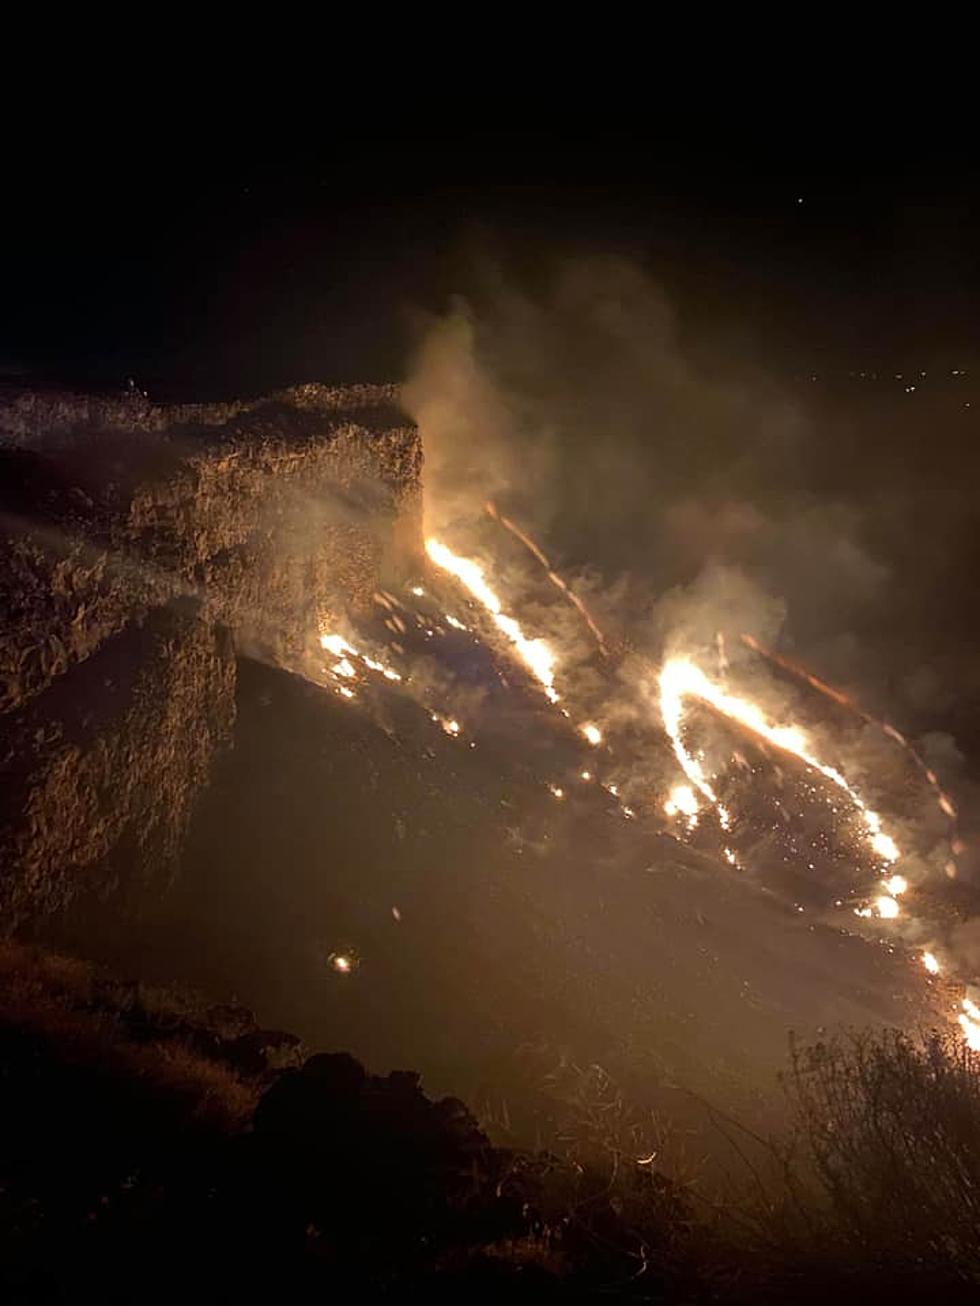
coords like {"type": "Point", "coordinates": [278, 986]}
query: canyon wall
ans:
{"type": "Point", "coordinates": [143, 548]}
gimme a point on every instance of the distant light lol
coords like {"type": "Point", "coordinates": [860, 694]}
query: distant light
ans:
{"type": "Point", "coordinates": [341, 962]}
{"type": "Point", "coordinates": [418, 591]}
{"type": "Point", "coordinates": [897, 885]}
{"type": "Point", "coordinates": [396, 914]}
{"type": "Point", "coordinates": [586, 775]}
{"type": "Point", "coordinates": [799, 199]}
{"type": "Point", "coordinates": [930, 963]}
{"type": "Point", "coordinates": [592, 733]}
{"type": "Point", "coordinates": [558, 793]}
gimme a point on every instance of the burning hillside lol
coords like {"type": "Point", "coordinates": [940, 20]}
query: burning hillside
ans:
{"type": "Point", "coordinates": [845, 842]}
{"type": "Point", "coordinates": [488, 810]}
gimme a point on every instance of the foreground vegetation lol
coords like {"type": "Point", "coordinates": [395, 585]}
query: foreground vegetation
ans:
{"type": "Point", "coordinates": [154, 1148]}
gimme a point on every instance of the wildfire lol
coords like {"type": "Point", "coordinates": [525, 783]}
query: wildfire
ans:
{"type": "Point", "coordinates": [683, 801]}
{"type": "Point", "coordinates": [887, 907]}
{"type": "Point", "coordinates": [448, 724]}
{"type": "Point", "coordinates": [343, 652]}
{"type": "Point", "coordinates": [681, 679]}
{"type": "Point", "coordinates": [534, 653]}
{"type": "Point", "coordinates": [969, 1022]}
{"type": "Point", "coordinates": [946, 804]}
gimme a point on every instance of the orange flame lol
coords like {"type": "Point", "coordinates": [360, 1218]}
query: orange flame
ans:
{"type": "Point", "coordinates": [801, 673]}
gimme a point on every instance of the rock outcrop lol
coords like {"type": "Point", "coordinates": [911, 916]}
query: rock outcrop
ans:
{"type": "Point", "coordinates": [143, 547]}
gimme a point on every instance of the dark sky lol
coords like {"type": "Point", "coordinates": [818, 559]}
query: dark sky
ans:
{"type": "Point", "coordinates": [211, 261]}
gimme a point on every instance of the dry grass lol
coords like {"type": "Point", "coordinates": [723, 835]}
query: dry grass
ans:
{"type": "Point", "coordinates": [86, 1021]}
{"type": "Point", "coordinates": [876, 1190]}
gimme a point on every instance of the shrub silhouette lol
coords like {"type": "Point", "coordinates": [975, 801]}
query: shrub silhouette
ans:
{"type": "Point", "coordinates": [148, 1153]}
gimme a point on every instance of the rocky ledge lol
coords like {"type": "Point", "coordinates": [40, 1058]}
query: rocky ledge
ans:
{"type": "Point", "coordinates": [143, 548]}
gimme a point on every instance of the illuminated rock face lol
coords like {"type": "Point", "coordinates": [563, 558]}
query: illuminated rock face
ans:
{"type": "Point", "coordinates": [142, 548]}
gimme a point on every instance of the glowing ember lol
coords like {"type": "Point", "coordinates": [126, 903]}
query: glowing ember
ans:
{"type": "Point", "coordinates": [682, 800]}
{"type": "Point", "coordinates": [887, 907]}
{"type": "Point", "coordinates": [534, 653]}
{"type": "Point", "coordinates": [969, 1021]}
{"type": "Point", "coordinates": [343, 651]}
{"type": "Point", "coordinates": [449, 725]}
{"type": "Point", "coordinates": [592, 733]}
{"type": "Point", "coordinates": [335, 644]}
{"type": "Point", "coordinates": [387, 672]}
{"type": "Point", "coordinates": [886, 848]}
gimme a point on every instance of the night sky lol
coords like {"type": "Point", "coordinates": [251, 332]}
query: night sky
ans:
{"type": "Point", "coordinates": [209, 261]}
{"type": "Point", "coordinates": [215, 255]}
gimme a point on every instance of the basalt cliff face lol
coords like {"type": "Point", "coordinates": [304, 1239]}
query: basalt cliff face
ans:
{"type": "Point", "coordinates": [143, 548]}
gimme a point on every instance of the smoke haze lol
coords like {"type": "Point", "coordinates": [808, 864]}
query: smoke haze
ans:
{"type": "Point", "coordinates": [684, 492]}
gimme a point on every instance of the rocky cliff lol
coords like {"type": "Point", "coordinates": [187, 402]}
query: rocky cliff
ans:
{"type": "Point", "coordinates": [142, 548]}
